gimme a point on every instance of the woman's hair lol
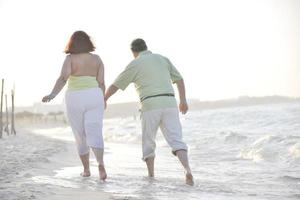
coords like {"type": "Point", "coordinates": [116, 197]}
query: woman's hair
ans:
{"type": "Point", "coordinates": [79, 42]}
{"type": "Point", "coordinates": [138, 45]}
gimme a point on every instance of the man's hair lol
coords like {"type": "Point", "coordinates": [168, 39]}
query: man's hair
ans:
{"type": "Point", "coordinates": [138, 45]}
{"type": "Point", "coordinates": [79, 42]}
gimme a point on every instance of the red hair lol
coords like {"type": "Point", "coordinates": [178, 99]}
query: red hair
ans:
{"type": "Point", "coordinates": [79, 42]}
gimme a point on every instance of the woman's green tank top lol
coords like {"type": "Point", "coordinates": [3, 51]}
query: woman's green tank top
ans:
{"type": "Point", "coordinates": [82, 82]}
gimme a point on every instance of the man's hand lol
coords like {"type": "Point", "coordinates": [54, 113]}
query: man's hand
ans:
{"type": "Point", "coordinates": [183, 107]}
{"type": "Point", "coordinates": [109, 92]}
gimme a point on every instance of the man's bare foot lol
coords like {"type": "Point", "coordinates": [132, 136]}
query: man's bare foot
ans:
{"type": "Point", "coordinates": [150, 166]}
{"type": "Point", "coordinates": [189, 179]}
{"type": "Point", "coordinates": [102, 172]}
{"type": "Point", "coordinates": [151, 175]}
{"type": "Point", "coordinates": [85, 174]}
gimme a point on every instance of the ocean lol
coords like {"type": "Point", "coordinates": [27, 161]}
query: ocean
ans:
{"type": "Point", "coordinates": [237, 153]}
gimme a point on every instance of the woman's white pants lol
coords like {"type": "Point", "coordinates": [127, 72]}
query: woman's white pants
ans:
{"type": "Point", "coordinates": [85, 113]}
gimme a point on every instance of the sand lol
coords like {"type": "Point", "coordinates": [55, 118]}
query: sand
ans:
{"type": "Point", "coordinates": [29, 165]}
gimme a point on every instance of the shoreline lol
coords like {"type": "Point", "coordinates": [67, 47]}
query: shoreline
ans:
{"type": "Point", "coordinates": [231, 151]}
{"type": "Point", "coordinates": [29, 165]}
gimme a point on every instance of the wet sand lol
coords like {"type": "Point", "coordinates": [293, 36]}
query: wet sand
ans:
{"type": "Point", "coordinates": [28, 169]}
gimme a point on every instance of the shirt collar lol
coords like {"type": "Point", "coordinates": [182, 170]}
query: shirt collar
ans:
{"type": "Point", "coordinates": [145, 52]}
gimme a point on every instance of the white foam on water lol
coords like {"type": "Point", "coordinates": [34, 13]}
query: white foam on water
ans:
{"type": "Point", "coordinates": [264, 148]}
{"type": "Point", "coordinates": [60, 133]}
{"type": "Point", "coordinates": [295, 150]}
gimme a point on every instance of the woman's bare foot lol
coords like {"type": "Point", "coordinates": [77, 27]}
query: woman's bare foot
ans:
{"type": "Point", "coordinates": [189, 180]}
{"type": "Point", "coordinates": [86, 173]}
{"type": "Point", "coordinates": [102, 172]}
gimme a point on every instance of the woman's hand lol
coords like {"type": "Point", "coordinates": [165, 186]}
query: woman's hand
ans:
{"type": "Point", "coordinates": [105, 104]}
{"type": "Point", "coordinates": [47, 98]}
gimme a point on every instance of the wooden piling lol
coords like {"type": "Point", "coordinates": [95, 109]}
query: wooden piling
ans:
{"type": "Point", "coordinates": [6, 129]}
{"type": "Point", "coordinates": [12, 129]}
{"type": "Point", "coordinates": [1, 106]}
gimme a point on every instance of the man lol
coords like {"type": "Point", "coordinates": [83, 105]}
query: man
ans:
{"type": "Point", "coordinates": [152, 75]}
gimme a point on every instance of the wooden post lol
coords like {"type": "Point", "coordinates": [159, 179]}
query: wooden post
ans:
{"type": "Point", "coordinates": [1, 106]}
{"type": "Point", "coordinates": [6, 129]}
{"type": "Point", "coordinates": [12, 129]}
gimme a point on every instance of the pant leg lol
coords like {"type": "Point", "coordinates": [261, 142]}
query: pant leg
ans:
{"type": "Point", "coordinates": [93, 122]}
{"type": "Point", "coordinates": [150, 123]}
{"type": "Point", "coordinates": [75, 117]}
{"type": "Point", "coordinates": [93, 118]}
{"type": "Point", "coordinates": [171, 129]}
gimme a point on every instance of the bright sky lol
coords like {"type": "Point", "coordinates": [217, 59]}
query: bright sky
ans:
{"type": "Point", "coordinates": [223, 48]}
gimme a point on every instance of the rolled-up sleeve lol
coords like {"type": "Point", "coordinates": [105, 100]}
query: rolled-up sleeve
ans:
{"type": "Point", "coordinates": [126, 77]}
{"type": "Point", "coordinates": [174, 73]}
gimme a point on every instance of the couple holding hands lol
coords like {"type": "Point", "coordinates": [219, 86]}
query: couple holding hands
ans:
{"type": "Point", "coordinates": [86, 97]}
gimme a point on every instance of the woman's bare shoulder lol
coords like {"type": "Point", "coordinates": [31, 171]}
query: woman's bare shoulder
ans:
{"type": "Point", "coordinates": [68, 58]}
{"type": "Point", "coordinates": [97, 57]}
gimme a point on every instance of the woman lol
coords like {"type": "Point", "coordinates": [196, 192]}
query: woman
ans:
{"type": "Point", "coordinates": [84, 72]}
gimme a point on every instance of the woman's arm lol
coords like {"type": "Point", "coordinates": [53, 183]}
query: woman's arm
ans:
{"type": "Point", "coordinates": [100, 75]}
{"type": "Point", "coordinates": [61, 81]}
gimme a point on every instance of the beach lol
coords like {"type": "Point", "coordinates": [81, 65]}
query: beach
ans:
{"type": "Point", "coordinates": [28, 161]}
{"type": "Point", "coordinates": [242, 153]}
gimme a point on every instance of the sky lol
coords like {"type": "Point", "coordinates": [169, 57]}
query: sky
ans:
{"type": "Point", "coordinates": [223, 48]}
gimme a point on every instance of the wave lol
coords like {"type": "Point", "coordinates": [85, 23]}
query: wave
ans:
{"type": "Point", "coordinates": [272, 148]}
{"type": "Point", "coordinates": [233, 137]}
{"type": "Point", "coordinates": [262, 149]}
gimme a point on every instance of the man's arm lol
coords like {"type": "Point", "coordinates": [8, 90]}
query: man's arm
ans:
{"type": "Point", "coordinates": [177, 78]}
{"type": "Point", "coordinates": [122, 81]}
{"type": "Point", "coordinates": [183, 106]}
{"type": "Point", "coordinates": [110, 91]}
